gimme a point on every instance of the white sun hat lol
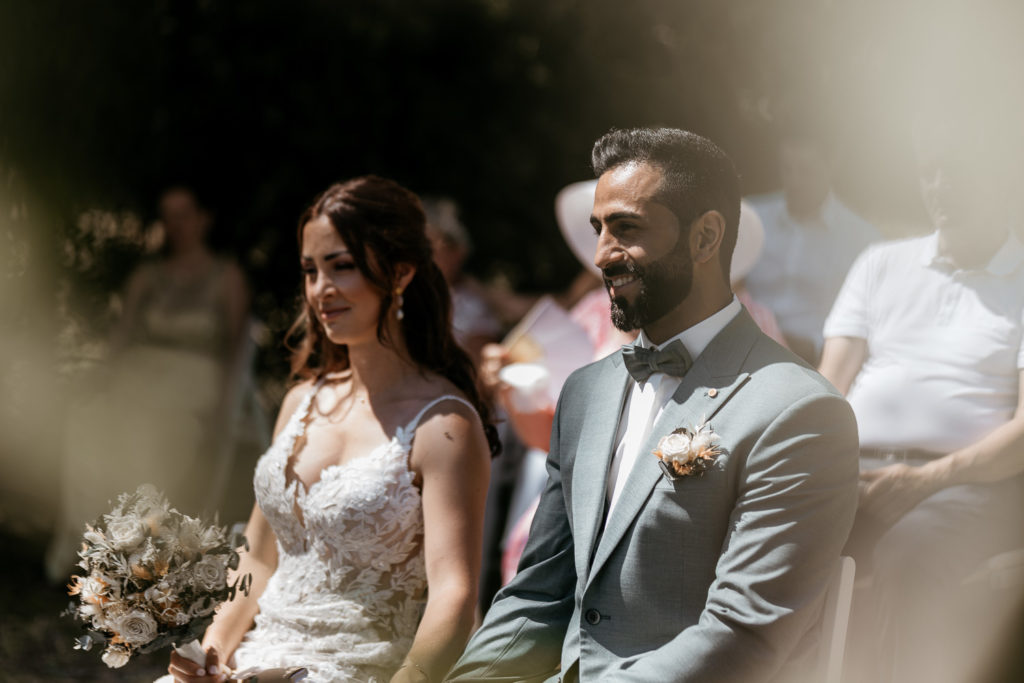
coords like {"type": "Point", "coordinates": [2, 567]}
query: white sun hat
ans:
{"type": "Point", "coordinates": [573, 206]}
{"type": "Point", "coordinates": [575, 202]}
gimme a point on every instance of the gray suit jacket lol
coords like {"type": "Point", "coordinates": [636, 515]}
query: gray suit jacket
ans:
{"type": "Point", "coordinates": [718, 577]}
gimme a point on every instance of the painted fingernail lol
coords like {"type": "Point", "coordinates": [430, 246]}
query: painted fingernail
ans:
{"type": "Point", "coordinates": [201, 672]}
{"type": "Point", "coordinates": [214, 670]}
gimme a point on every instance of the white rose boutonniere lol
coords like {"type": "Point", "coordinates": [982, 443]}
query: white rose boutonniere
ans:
{"type": "Point", "coordinates": [687, 451]}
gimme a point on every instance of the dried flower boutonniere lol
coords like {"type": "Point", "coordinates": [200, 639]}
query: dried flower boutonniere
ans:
{"type": "Point", "coordinates": [687, 451]}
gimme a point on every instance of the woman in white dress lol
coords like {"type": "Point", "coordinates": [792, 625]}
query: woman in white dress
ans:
{"type": "Point", "coordinates": [373, 489]}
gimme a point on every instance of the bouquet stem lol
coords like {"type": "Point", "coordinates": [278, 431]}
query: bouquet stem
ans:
{"type": "Point", "coordinates": [192, 650]}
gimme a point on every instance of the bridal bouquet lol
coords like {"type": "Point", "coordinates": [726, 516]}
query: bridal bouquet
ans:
{"type": "Point", "coordinates": [153, 577]}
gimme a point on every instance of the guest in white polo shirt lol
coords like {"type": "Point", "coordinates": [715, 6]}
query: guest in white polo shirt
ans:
{"type": "Point", "coordinates": [925, 338]}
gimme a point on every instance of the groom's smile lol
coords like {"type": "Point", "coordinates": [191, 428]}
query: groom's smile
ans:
{"type": "Point", "coordinates": [620, 279]}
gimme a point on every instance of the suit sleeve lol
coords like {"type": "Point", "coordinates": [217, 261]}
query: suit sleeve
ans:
{"type": "Point", "coordinates": [796, 499]}
{"type": "Point", "coordinates": [522, 633]}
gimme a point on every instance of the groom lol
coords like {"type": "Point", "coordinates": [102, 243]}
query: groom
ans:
{"type": "Point", "coordinates": [708, 566]}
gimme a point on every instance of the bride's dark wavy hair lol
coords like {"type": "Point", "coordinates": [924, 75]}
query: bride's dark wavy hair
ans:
{"type": "Point", "coordinates": [383, 225]}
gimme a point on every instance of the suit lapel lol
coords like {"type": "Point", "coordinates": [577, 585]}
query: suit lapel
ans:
{"type": "Point", "coordinates": [710, 383]}
{"type": "Point", "coordinates": [594, 455]}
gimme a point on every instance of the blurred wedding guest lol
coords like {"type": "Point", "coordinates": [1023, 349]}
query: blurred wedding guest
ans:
{"type": "Point", "coordinates": [472, 319]}
{"type": "Point", "coordinates": [364, 545]}
{"type": "Point", "coordinates": [749, 247]}
{"type": "Point", "coordinates": [158, 410]}
{"type": "Point", "coordinates": [926, 339]}
{"type": "Point", "coordinates": [519, 473]}
{"type": "Point", "coordinates": [811, 238]}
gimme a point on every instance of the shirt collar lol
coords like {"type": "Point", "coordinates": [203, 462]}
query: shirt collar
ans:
{"type": "Point", "coordinates": [697, 337]}
{"type": "Point", "coordinates": [1004, 262]}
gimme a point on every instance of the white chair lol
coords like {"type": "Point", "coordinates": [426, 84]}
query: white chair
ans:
{"type": "Point", "coordinates": [834, 622]}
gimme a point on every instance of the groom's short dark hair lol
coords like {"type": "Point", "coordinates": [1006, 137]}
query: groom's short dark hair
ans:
{"type": "Point", "coordinates": [699, 177]}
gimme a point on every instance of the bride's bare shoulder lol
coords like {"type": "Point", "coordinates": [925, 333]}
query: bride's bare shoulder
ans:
{"type": "Point", "coordinates": [291, 402]}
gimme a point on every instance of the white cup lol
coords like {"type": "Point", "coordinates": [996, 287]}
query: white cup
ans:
{"type": "Point", "coordinates": [529, 384]}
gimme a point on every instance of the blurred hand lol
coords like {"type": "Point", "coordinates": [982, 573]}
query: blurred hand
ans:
{"type": "Point", "coordinates": [186, 671]}
{"type": "Point", "coordinates": [493, 357]}
{"type": "Point", "coordinates": [888, 493]}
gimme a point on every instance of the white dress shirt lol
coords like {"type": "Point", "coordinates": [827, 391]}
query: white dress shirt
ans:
{"type": "Point", "coordinates": [647, 399]}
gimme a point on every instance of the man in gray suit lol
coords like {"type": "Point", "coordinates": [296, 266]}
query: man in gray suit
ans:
{"type": "Point", "coordinates": [708, 561]}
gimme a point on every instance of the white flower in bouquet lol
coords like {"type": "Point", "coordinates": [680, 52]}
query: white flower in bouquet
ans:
{"type": "Point", "coordinates": [210, 573]}
{"type": "Point", "coordinates": [211, 538]}
{"type": "Point", "coordinates": [150, 500]}
{"type": "Point", "coordinates": [116, 656]}
{"type": "Point", "coordinates": [126, 532]}
{"type": "Point", "coordinates": [160, 594]}
{"type": "Point", "coordinates": [153, 577]}
{"type": "Point", "coordinates": [90, 613]}
{"type": "Point", "coordinates": [136, 627]}
{"type": "Point", "coordinates": [93, 590]}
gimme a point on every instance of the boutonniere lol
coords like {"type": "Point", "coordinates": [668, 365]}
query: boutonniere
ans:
{"type": "Point", "coordinates": [687, 451]}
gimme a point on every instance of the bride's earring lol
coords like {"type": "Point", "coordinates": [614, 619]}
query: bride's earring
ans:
{"type": "Point", "coordinates": [399, 313]}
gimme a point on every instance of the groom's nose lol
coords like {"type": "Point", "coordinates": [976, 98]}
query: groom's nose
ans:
{"type": "Point", "coordinates": [609, 251]}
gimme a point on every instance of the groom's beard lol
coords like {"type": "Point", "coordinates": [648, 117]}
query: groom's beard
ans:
{"type": "Point", "coordinates": [663, 284]}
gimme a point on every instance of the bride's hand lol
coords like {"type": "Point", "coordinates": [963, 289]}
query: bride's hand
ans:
{"type": "Point", "coordinates": [184, 670]}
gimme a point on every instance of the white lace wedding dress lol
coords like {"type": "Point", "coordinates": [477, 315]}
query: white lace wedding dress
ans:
{"type": "Point", "coordinates": [350, 584]}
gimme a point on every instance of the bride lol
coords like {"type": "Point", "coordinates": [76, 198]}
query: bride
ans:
{"type": "Point", "coordinates": [373, 490]}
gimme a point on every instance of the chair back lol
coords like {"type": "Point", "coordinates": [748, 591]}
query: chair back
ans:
{"type": "Point", "coordinates": [835, 620]}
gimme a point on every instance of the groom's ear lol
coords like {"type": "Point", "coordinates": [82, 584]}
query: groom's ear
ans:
{"type": "Point", "coordinates": [706, 234]}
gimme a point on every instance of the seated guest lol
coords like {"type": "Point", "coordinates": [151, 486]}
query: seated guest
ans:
{"type": "Point", "coordinates": [925, 339]}
{"type": "Point", "coordinates": [811, 238]}
{"type": "Point", "coordinates": [472, 319]}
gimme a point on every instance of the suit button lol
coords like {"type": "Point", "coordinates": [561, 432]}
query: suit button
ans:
{"type": "Point", "coordinates": [593, 617]}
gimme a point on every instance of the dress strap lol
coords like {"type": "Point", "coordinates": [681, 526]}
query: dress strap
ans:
{"type": "Point", "coordinates": [411, 427]}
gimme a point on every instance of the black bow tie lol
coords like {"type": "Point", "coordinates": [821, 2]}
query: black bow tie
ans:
{"type": "Point", "coordinates": [674, 360]}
